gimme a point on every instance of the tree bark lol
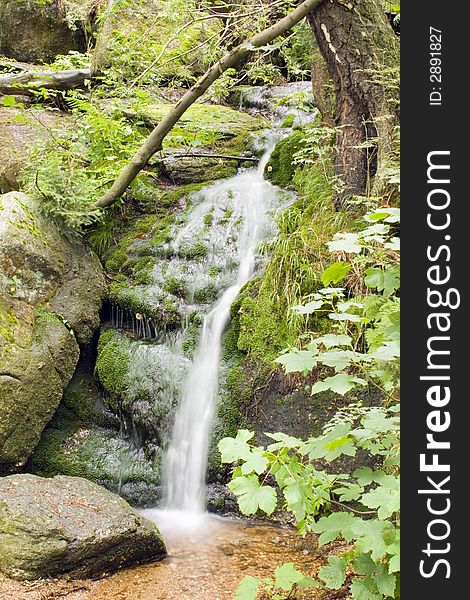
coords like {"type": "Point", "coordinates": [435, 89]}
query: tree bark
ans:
{"type": "Point", "coordinates": [154, 141]}
{"type": "Point", "coordinates": [323, 89]}
{"type": "Point", "coordinates": [29, 83]}
{"type": "Point", "coordinates": [356, 40]}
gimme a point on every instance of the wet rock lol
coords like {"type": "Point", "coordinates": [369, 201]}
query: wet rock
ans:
{"type": "Point", "coordinates": [85, 439]}
{"type": "Point", "coordinates": [50, 296]}
{"type": "Point", "coordinates": [69, 525]}
{"type": "Point", "coordinates": [292, 104]}
{"type": "Point", "coordinates": [39, 30]}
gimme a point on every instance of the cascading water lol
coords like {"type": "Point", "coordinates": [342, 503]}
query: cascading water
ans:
{"type": "Point", "coordinates": [186, 460]}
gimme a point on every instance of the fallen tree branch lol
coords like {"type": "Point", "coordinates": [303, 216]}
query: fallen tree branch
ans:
{"type": "Point", "coordinates": [154, 141]}
{"type": "Point", "coordinates": [30, 82]}
{"type": "Point", "coordinates": [209, 155]}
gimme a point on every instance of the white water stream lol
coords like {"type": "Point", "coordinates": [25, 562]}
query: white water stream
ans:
{"type": "Point", "coordinates": [186, 459]}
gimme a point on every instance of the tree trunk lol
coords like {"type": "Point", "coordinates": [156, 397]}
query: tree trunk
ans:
{"type": "Point", "coordinates": [359, 47]}
{"type": "Point", "coordinates": [154, 142]}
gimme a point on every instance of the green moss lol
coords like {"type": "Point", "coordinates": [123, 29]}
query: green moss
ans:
{"type": "Point", "coordinates": [8, 322]}
{"type": "Point", "coordinates": [234, 391]}
{"type": "Point", "coordinates": [46, 316]}
{"type": "Point", "coordinates": [206, 294]}
{"type": "Point", "coordinates": [208, 219]}
{"type": "Point", "coordinates": [288, 121]}
{"type": "Point", "coordinates": [210, 125]}
{"type": "Point", "coordinates": [176, 286]}
{"type": "Point", "coordinates": [280, 169]}
{"type": "Point", "coordinates": [196, 250]}
{"type": "Point", "coordinates": [112, 362]}
{"type": "Point", "coordinates": [95, 454]}
{"type": "Point", "coordinates": [263, 330]}
{"type": "Point", "coordinates": [191, 339]}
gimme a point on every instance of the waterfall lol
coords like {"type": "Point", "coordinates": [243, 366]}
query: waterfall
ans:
{"type": "Point", "coordinates": [186, 459]}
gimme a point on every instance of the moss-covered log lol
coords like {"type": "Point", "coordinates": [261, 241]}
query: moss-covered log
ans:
{"type": "Point", "coordinates": [30, 83]}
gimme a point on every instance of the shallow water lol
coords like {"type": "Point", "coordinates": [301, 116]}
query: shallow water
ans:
{"type": "Point", "coordinates": [208, 556]}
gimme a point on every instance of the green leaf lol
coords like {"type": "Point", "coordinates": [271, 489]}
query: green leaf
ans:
{"type": "Point", "coordinates": [393, 244]}
{"type": "Point", "coordinates": [364, 565]}
{"type": "Point", "coordinates": [297, 495]}
{"type": "Point", "coordinates": [252, 496]}
{"type": "Point", "coordinates": [345, 317]}
{"type": "Point", "coordinates": [388, 215]}
{"type": "Point", "coordinates": [364, 475]}
{"type": "Point", "coordinates": [330, 292]}
{"type": "Point", "coordinates": [386, 500]}
{"type": "Point", "coordinates": [335, 272]}
{"type": "Point", "coordinates": [385, 581]}
{"type": "Point", "coordinates": [386, 280]}
{"type": "Point", "coordinates": [339, 383]}
{"type": "Point", "coordinates": [248, 588]}
{"type": "Point", "coordinates": [338, 359]}
{"type": "Point", "coordinates": [232, 449]}
{"type": "Point", "coordinates": [365, 589]}
{"type": "Point", "coordinates": [297, 361]}
{"type": "Point", "coordinates": [353, 491]}
{"type": "Point", "coordinates": [331, 339]}
{"type": "Point", "coordinates": [345, 242]}
{"type": "Point", "coordinates": [334, 573]}
{"type": "Point", "coordinates": [345, 306]}
{"type": "Point", "coordinates": [308, 309]}
{"type": "Point", "coordinates": [335, 525]}
{"type": "Point", "coordinates": [394, 564]}
{"type": "Point", "coordinates": [370, 536]}
{"type": "Point", "coordinates": [387, 352]}
{"type": "Point", "coordinates": [256, 462]}
{"type": "Point", "coordinates": [284, 440]}
{"type": "Point", "coordinates": [288, 576]}
{"type": "Point", "coordinates": [9, 101]}
{"type": "Point", "coordinates": [332, 444]}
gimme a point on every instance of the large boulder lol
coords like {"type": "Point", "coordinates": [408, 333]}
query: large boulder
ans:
{"type": "Point", "coordinates": [50, 296]}
{"type": "Point", "coordinates": [39, 30]}
{"type": "Point", "coordinates": [69, 525]}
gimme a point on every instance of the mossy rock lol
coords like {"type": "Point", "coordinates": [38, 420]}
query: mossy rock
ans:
{"type": "Point", "coordinates": [112, 362]}
{"type": "Point", "coordinates": [39, 30]}
{"type": "Point", "coordinates": [50, 297]}
{"type": "Point", "coordinates": [85, 439]}
{"type": "Point", "coordinates": [69, 525]}
{"type": "Point", "coordinates": [280, 169]}
{"type": "Point", "coordinates": [204, 128]}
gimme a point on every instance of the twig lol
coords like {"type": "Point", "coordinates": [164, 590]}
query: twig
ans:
{"type": "Point", "coordinates": [209, 155]}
